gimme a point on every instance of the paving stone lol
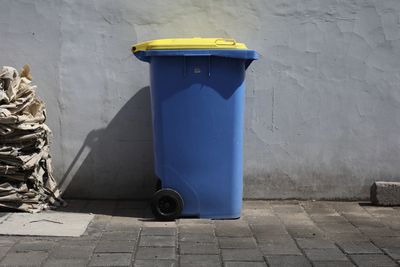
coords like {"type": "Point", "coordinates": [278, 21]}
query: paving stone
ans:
{"type": "Point", "coordinates": [256, 204]}
{"type": "Point", "coordinates": [358, 247]}
{"type": "Point", "coordinates": [304, 231]}
{"type": "Point", "coordinates": [393, 222]}
{"type": "Point", "coordinates": [335, 228]}
{"type": "Point", "coordinates": [198, 248]}
{"type": "Point", "coordinates": [269, 230]}
{"type": "Point", "coordinates": [279, 247]}
{"type": "Point", "coordinates": [330, 218]}
{"type": "Point", "coordinates": [155, 263]}
{"type": "Point", "coordinates": [33, 245]}
{"type": "Point", "coordinates": [158, 231]}
{"type": "Point", "coordinates": [387, 242]}
{"type": "Point", "coordinates": [379, 231]}
{"type": "Point", "coordinates": [185, 221]}
{"type": "Point", "coordinates": [348, 237]}
{"type": "Point", "coordinates": [393, 252]}
{"type": "Point", "coordinates": [241, 255]}
{"type": "Point", "coordinates": [101, 219]}
{"type": "Point", "coordinates": [264, 220]}
{"type": "Point", "coordinates": [286, 206]}
{"type": "Point", "coordinates": [197, 229]}
{"type": "Point", "coordinates": [266, 238]}
{"type": "Point", "coordinates": [131, 235]}
{"type": "Point", "coordinates": [317, 207]}
{"type": "Point", "coordinates": [290, 211]}
{"type": "Point", "coordinates": [199, 238]}
{"type": "Point", "coordinates": [93, 232]}
{"type": "Point", "coordinates": [333, 264]}
{"type": "Point", "coordinates": [100, 222]}
{"type": "Point", "coordinates": [380, 211]}
{"type": "Point", "coordinates": [78, 242]}
{"type": "Point", "coordinates": [229, 229]}
{"type": "Point", "coordinates": [99, 227]}
{"type": "Point", "coordinates": [65, 263]}
{"type": "Point", "coordinates": [385, 193]}
{"type": "Point", "coordinates": [123, 224]}
{"type": "Point", "coordinates": [314, 243]}
{"type": "Point", "coordinates": [157, 241]}
{"type": "Point", "coordinates": [259, 218]}
{"type": "Point", "coordinates": [288, 261]}
{"type": "Point", "coordinates": [91, 235]}
{"type": "Point", "coordinates": [159, 224]}
{"type": "Point", "coordinates": [106, 246]}
{"type": "Point", "coordinates": [360, 216]}
{"type": "Point", "coordinates": [7, 242]}
{"type": "Point", "coordinates": [33, 258]}
{"type": "Point", "coordinates": [297, 220]}
{"type": "Point", "coordinates": [364, 221]}
{"type": "Point", "coordinates": [72, 252]}
{"type": "Point", "coordinates": [111, 259]}
{"type": "Point", "coordinates": [200, 261]}
{"type": "Point", "coordinates": [155, 253]}
{"type": "Point", "coordinates": [327, 254]}
{"type": "Point", "coordinates": [122, 227]}
{"type": "Point", "coordinates": [237, 242]}
{"type": "Point", "coordinates": [371, 260]}
{"type": "Point", "coordinates": [353, 207]}
{"type": "Point", "coordinates": [244, 264]}
{"type": "Point", "coordinates": [3, 251]}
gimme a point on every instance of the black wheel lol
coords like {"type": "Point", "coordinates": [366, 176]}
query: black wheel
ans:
{"type": "Point", "coordinates": [166, 204]}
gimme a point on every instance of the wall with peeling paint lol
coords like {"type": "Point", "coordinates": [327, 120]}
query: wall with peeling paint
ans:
{"type": "Point", "coordinates": [322, 105]}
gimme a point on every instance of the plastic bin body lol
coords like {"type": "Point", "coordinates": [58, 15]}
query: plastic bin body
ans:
{"type": "Point", "coordinates": [198, 114]}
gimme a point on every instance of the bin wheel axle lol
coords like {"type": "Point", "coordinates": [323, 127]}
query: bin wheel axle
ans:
{"type": "Point", "coordinates": [166, 204]}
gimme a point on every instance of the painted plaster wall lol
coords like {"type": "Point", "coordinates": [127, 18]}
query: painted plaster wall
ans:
{"type": "Point", "coordinates": [322, 105]}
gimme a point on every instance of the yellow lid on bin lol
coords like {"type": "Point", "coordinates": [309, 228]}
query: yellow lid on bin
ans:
{"type": "Point", "coordinates": [188, 43]}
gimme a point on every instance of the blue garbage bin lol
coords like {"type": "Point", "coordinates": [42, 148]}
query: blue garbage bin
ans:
{"type": "Point", "coordinates": [197, 97]}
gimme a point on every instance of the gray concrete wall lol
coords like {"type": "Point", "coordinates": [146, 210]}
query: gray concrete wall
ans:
{"type": "Point", "coordinates": [322, 105]}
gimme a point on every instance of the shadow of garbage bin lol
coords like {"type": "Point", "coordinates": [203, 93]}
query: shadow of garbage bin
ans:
{"type": "Point", "coordinates": [117, 161]}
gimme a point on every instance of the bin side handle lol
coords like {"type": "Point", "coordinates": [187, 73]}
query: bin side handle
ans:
{"type": "Point", "coordinates": [141, 55]}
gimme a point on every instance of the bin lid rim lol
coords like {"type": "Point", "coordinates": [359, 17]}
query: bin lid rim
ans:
{"type": "Point", "coordinates": [244, 54]}
{"type": "Point", "coordinates": [188, 43]}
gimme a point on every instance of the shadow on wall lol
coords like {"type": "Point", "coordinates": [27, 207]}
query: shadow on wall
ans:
{"type": "Point", "coordinates": [116, 162]}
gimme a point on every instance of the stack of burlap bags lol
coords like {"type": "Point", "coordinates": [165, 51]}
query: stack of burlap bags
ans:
{"type": "Point", "coordinates": [26, 180]}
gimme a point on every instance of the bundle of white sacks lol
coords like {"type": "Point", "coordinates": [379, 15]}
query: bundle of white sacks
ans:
{"type": "Point", "coordinates": [26, 180]}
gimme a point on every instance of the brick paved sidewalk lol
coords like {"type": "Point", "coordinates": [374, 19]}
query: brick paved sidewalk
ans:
{"type": "Point", "coordinates": [270, 233]}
